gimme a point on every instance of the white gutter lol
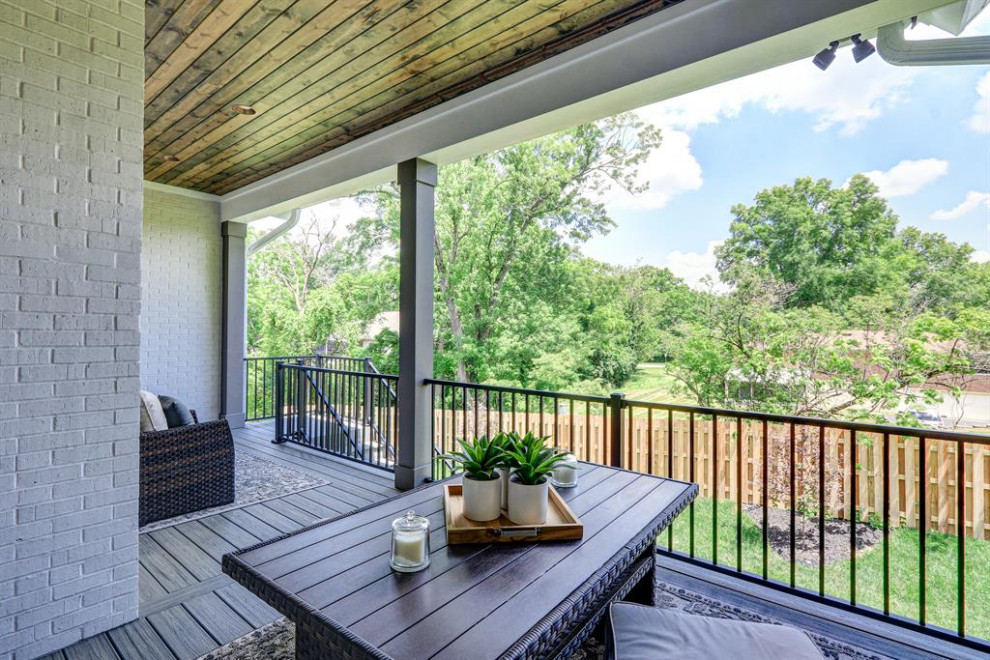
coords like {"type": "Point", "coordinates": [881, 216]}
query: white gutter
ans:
{"type": "Point", "coordinates": [897, 50]}
{"type": "Point", "coordinates": [289, 223]}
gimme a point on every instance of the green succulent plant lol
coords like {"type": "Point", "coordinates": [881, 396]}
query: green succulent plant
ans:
{"type": "Point", "coordinates": [532, 460]}
{"type": "Point", "coordinates": [507, 442]}
{"type": "Point", "coordinates": [478, 458]}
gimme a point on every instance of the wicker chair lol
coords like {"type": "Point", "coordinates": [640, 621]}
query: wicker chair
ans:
{"type": "Point", "coordinates": [186, 469]}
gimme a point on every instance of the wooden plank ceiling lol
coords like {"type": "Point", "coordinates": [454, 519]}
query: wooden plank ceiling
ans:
{"type": "Point", "coordinates": [319, 73]}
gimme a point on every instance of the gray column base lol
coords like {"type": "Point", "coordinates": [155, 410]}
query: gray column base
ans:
{"type": "Point", "coordinates": [236, 420]}
{"type": "Point", "coordinates": [407, 478]}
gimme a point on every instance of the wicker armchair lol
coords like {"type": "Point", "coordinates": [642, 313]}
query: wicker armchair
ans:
{"type": "Point", "coordinates": [186, 469]}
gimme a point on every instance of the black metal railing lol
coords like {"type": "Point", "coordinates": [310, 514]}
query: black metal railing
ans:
{"type": "Point", "coordinates": [260, 384]}
{"type": "Point", "coordinates": [260, 381]}
{"type": "Point", "coordinates": [874, 518]}
{"type": "Point", "coordinates": [350, 414]}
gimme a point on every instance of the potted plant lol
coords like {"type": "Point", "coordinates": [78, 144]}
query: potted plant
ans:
{"type": "Point", "coordinates": [481, 484]}
{"type": "Point", "coordinates": [529, 488]}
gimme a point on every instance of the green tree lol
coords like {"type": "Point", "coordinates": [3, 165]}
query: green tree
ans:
{"type": "Point", "coordinates": [827, 243]}
{"type": "Point", "coordinates": [312, 287]}
{"type": "Point", "coordinates": [834, 244]}
{"type": "Point", "coordinates": [507, 224]}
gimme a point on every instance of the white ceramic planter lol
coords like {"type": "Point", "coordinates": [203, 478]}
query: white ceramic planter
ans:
{"type": "Point", "coordinates": [528, 504]}
{"type": "Point", "coordinates": [482, 499]}
{"type": "Point", "coordinates": [504, 474]}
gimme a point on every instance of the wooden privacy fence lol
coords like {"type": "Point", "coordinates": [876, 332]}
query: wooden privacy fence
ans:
{"type": "Point", "coordinates": [661, 443]}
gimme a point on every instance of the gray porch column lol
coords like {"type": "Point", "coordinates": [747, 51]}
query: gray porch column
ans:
{"type": "Point", "coordinates": [417, 179]}
{"type": "Point", "coordinates": [234, 333]}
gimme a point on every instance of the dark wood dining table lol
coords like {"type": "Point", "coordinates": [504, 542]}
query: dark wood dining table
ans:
{"type": "Point", "coordinates": [495, 600]}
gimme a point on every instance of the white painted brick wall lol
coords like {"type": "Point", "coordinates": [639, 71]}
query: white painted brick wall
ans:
{"type": "Point", "coordinates": [71, 115]}
{"type": "Point", "coordinates": [180, 301]}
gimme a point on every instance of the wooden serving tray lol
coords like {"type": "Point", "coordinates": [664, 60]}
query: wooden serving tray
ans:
{"type": "Point", "coordinates": [561, 524]}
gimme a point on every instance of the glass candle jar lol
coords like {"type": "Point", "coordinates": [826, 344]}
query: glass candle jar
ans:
{"type": "Point", "coordinates": [565, 475]}
{"type": "Point", "coordinates": [410, 543]}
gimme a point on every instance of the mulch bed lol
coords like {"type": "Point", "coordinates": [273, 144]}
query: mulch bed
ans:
{"type": "Point", "coordinates": [806, 539]}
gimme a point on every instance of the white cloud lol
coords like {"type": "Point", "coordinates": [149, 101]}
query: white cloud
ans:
{"type": "Point", "coordinates": [669, 170]}
{"type": "Point", "coordinates": [973, 201]}
{"type": "Point", "coordinates": [692, 267]}
{"type": "Point", "coordinates": [979, 121]}
{"type": "Point", "coordinates": [908, 176]}
{"type": "Point", "coordinates": [847, 96]}
{"type": "Point", "coordinates": [980, 256]}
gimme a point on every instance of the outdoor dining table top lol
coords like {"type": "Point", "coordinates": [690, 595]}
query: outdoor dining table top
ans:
{"type": "Point", "coordinates": [475, 600]}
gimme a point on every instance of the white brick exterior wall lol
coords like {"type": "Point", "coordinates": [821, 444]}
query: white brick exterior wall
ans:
{"type": "Point", "coordinates": [180, 302]}
{"type": "Point", "coordinates": [71, 115]}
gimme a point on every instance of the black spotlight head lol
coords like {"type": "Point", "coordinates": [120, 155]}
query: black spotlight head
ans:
{"type": "Point", "coordinates": [861, 49]}
{"type": "Point", "coordinates": [825, 57]}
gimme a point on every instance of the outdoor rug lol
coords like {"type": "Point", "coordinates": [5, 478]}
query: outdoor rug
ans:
{"type": "Point", "coordinates": [276, 641]}
{"type": "Point", "coordinates": [255, 480]}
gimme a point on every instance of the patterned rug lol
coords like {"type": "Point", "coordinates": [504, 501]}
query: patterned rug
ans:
{"type": "Point", "coordinates": [276, 641]}
{"type": "Point", "coordinates": [255, 480]}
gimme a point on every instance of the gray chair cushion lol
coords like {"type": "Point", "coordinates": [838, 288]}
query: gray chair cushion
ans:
{"type": "Point", "coordinates": [176, 413]}
{"type": "Point", "coordinates": [638, 632]}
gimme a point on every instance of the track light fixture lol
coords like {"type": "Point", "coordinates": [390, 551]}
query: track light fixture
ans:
{"type": "Point", "coordinates": [826, 56]}
{"type": "Point", "coordinates": [861, 48]}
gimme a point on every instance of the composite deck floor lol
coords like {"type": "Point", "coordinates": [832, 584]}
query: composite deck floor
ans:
{"type": "Point", "coordinates": [188, 607]}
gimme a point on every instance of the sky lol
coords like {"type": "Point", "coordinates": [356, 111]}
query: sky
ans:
{"type": "Point", "coordinates": [921, 134]}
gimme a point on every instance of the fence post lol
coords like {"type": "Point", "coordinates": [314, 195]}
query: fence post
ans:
{"type": "Point", "coordinates": [616, 403]}
{"type": "Point", "coordinates": [279, 398]}
{"type": "Point", "coordinates": [301, 392]}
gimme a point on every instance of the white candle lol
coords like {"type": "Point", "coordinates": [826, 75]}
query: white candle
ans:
{"type": "Point", "coordinates": [409, 548]}
{"type": "Point", "coordinates": [566, 477]}
{"type": "Point", "coordinates": [410, 543]}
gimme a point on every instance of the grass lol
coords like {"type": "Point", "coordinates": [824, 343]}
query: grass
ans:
{"type": "Point", "coordinates": [904, 583]}
{"type": "Point", "coordinates": [653, 383]}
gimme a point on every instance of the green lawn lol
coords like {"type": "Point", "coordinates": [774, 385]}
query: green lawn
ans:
{"type": "Point", "coordinates": [653, 383]}
{"type": "Point", "coordinates": [904, 583]}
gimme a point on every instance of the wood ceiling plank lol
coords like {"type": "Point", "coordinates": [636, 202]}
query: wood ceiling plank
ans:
{"type": "Point", "coordinates": [156, 15]}
{"type": "Point", "coordinates": [382, 39]}
{"type": "Point", "coordinates": [509, 40]}
{"type": "Point", "coordinates": [182, 22]}
{"type": "Point", "coordinates": [297, 112]}
{"type": "Point", "coordinates": [322, 72]}
{"type": "Point", "coordinates": [186, 135]}
{"type": "Point", "coordinates": [207, 76]}
{"type": "Point", "coordinates": [477, 73]}
{"type": "Point", "coordinates": [210, 30]}
{"type": "Point", "coordinates": [471, 61]}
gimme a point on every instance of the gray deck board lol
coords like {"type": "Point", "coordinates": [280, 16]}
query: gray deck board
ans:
{"type": "Point", "coordinates": [192, 558]}
{"type": "Point", "coordinates": [182, 633]}
{"type": "Point", "coordinates": [188, 607]}
{"type": "Point", "coordinates": [252, 524]}
{"type": "Point", "coordinates": [165, 568]}
{"type": "Point", "coordinates": [218, 618]}
{"type": "Point", "coordinates": [94, 648]}
{"type": "Point", "coordinates": [254, 611]}
{"type": "Point", "coordinates": [138, 639]}
{"type": "Point", "coordinates": [229, 531]}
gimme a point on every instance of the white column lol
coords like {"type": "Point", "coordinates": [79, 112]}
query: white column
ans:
{"type": "Point", "coordinates": [417, 179]}
{"type": "Point", "coordinates": [234, 310]}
